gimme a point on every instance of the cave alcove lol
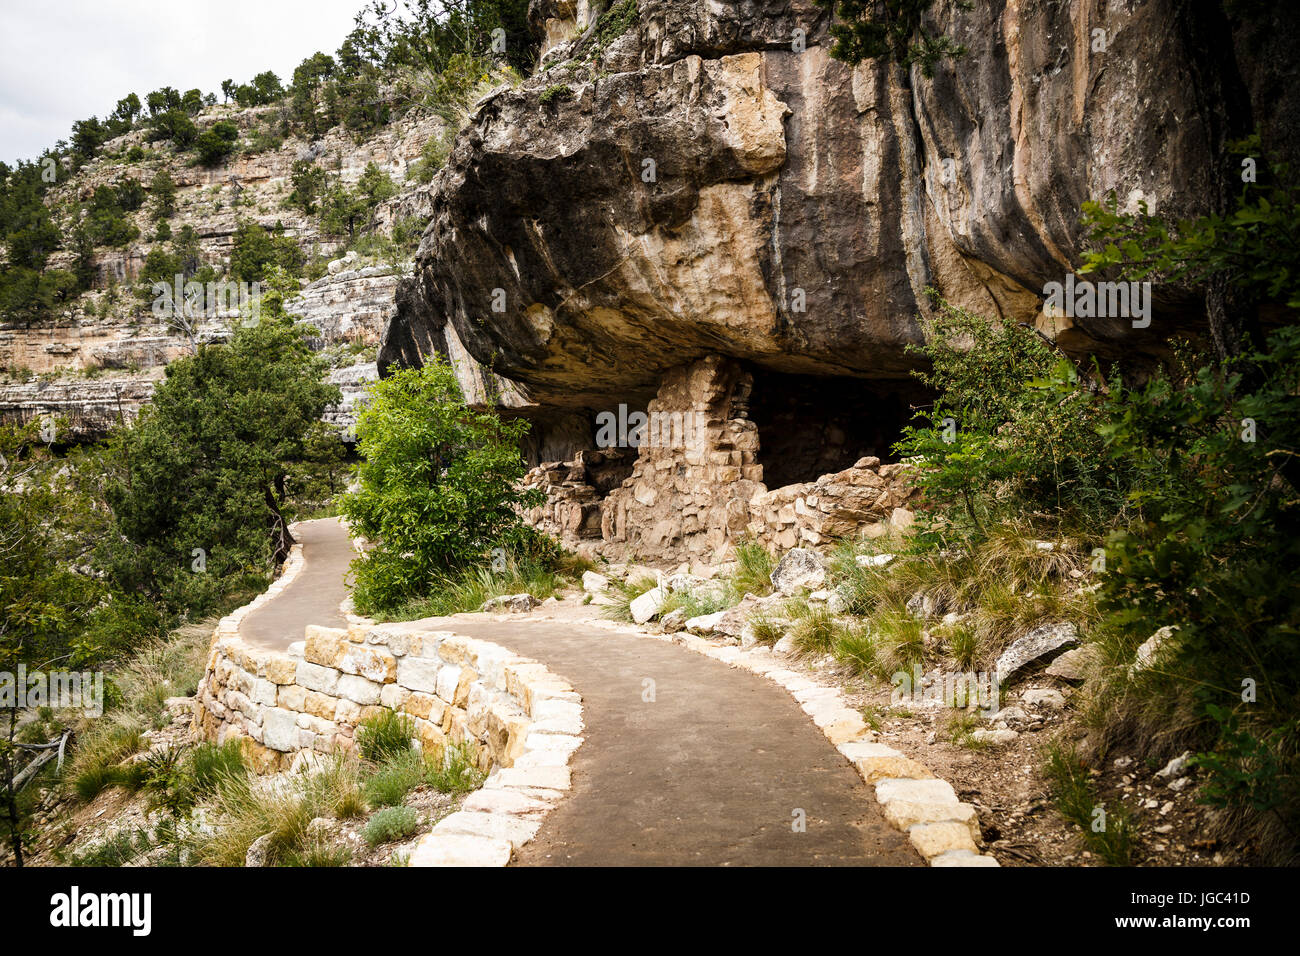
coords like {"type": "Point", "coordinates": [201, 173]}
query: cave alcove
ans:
{"type": "Point", "coordinates": [810, 425]}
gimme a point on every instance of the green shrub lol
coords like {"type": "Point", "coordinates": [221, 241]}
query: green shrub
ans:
{"type": "Point", "coordinates": [389, 824]}
{"type": "Point", "coordinates": [216, 143]}
{"type": "Point", "coordinates": [1013, 428]}
{"type": "Point", "coordinates": [438, 486]}
{"type": "Point", "coordinates": [393, 779]}
{"type": "Point", "coordinates": [554, 94]}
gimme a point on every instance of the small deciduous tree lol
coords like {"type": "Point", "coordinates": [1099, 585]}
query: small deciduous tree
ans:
{"type": "Point", "coordinates": [439, 485]}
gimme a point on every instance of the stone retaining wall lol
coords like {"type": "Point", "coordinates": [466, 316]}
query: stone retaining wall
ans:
{"type": "Point", "coordinates": [312, 697]}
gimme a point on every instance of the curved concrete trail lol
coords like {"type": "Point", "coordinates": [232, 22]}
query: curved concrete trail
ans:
{"type": "Point", "coordinates": [715, 767]}
{"type": "Point", "coordinates": [314, 596]}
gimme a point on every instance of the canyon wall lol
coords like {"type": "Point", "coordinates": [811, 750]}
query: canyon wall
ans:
{"type": "Point", "coordinates": [96, 361]}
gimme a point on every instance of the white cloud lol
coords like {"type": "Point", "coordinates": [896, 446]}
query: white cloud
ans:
{"type": "Point", "coordinates": [70, 59]}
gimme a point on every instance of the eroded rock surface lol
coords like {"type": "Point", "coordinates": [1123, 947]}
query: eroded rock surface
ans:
{"type": "Point", "coordinates": [796, 209]}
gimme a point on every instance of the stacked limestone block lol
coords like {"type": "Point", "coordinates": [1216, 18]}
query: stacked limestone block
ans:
{"type": "Point", "coordinates": [690, 498]}
{"type": "Point", "coordinates": [313, 697]}
{"type": "Point", "coordinates": [868, 498]}
{"type": "Point", "coordinates": [572, 508]}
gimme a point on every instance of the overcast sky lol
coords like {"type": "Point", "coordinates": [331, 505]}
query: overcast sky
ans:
{"type": "Point", "coordinates": [65, 60]}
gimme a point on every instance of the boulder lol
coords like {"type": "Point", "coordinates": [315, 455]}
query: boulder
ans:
{"type": "Point", "coordinates": [646, 606]}
{"type": "Point", "coordinates": [924, 606]}
{"type": "Point", "coordinates": [683, 582]}
{"type": "Point", "coordinates": [594, 583]}
{"type": "Point", "coordinates": [259, 851]}
{"type": "Point", "coordinates": [1042, 642]}
{"type": "Point", "coordinates": [997, 737]}
{"type": "Point", "coordinates": [732, 622]}
{"type": "Point", "coordinates": [1153, 647]}
{"type": "Point", "coordinates": [705, 623]}
{"type": "Point", "coordinates": [511, 603]}
{"type": "Point", "coordinates": [1044, 697]}
{"type": "Point", "coordinates": [1176, 767]}
{"type": "Point", "coordinates": [1074, 665]}
{"type": "Point", "coordinates": [673, 621]}
{"type": "Point", "coordinates": [799, 569]}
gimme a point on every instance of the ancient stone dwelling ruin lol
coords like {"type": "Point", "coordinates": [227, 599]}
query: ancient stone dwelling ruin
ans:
{"type": "Point", "coordinates": [691, 500]}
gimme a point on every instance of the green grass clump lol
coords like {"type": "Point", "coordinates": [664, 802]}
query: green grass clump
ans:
{"type": "Point", "coordinates": [469, 588]}
{"type": "Point", "coordinates": [244, 810]}
{"type": "Point", "coordinates": [766, 630]}
{"type": "Point", "coordinates": [385, 734]}
{"type": "Point", "coordinates": [1108, 833]}
{"type": "Point", "coordinates": [457, 771]}
{"type": "Point", "coordinates": [319, 854]}
{"type": "Point", "coordinates": [621, 594]}
{"type": "Point", "coordinates": [753, 571]}
{"type": "Point", "coordinates": [209, 763]}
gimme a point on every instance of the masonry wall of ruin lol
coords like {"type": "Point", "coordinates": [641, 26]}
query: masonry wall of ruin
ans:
{"type": "Point", "coordinates": [697, 482]}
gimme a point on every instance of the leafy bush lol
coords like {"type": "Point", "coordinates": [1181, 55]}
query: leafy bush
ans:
{"type": "Point", "coordinates": [439, 486]}
{"type": "Point", "coordinates": [555, 94]}
{"type": "Point", "coordinates": [217, 142]}
{"type": "Point", "coordinates": [1188, 474]}
{"type": "Point", "coordinates": [106, 221]}
{"type": "Point", "coordinates": [255, 252]}
{"type": "Point", "coordinates": [207, 460]}
{"type": "Point", "coordinates": [1013, 426]}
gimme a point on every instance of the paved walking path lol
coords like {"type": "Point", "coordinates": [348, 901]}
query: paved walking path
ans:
{"type": "Point", "coordinates": [314, 596]}
{"type": "Point", "coordinates": [715, 767]}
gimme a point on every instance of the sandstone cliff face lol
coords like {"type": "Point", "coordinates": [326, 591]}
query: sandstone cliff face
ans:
{"type": "Point", "coordinates": [696, 201]}
{"type": "Point", "coordinates": [798, 209]}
